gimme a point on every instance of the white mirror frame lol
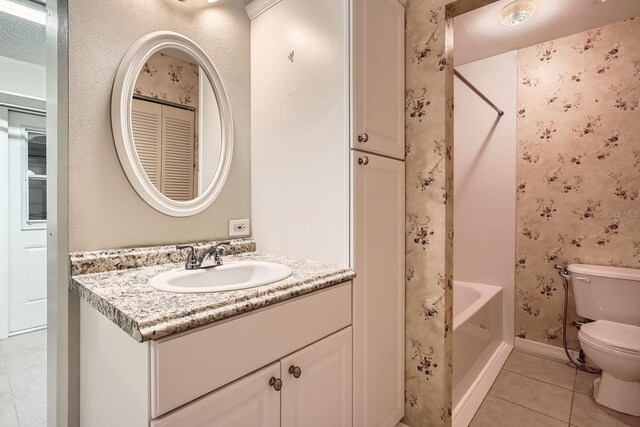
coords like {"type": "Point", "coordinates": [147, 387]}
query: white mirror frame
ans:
{"type": "Point", "coordinates": [121, 102]}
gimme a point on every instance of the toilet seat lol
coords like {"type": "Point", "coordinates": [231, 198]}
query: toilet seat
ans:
{"type": "Point", "coordinates": [617, 336]}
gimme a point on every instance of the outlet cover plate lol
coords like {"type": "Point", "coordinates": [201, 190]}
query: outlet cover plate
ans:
{"type": "Point", "coordinates": [239, 228]}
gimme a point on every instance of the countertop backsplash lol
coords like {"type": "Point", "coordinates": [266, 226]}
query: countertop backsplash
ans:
{"type": "Point", "coordinates": [122, 259]}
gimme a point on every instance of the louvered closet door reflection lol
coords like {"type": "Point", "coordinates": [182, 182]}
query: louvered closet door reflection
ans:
{"type": "Point", "coordinates": [178, 139]}
{"type": "Point", "coordinates": [146, 121]}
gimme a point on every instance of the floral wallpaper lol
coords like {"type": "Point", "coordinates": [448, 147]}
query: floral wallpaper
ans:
{"type": "Point", "coordinates": [429, 210]}
{"type": "Point", "coordinates": [169, 78]}
{"type": "Point", "coordinates": [578, 167]}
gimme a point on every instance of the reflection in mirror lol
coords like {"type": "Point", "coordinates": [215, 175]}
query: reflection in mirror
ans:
{"type": "Point", "coordinates": [176, 125]}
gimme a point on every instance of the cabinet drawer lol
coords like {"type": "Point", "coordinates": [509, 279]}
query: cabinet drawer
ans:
{"type": "Point", "coordinates": [193, 364]}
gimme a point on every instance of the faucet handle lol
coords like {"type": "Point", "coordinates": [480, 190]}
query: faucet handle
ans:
{"type": "Point", "coordinates": [220, 247]}
{"type": "Point", "coordinates": [191, 258]}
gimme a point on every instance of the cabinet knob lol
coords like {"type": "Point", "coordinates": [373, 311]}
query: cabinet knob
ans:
{"type": "Point", "coordinates": [364, 160]}
{"type": "Point", "coordinates": [295, 371]}
{"type": "Point", "coordinates": [276, 383]}
{"type": "Point", "coordinates": [363, 138]}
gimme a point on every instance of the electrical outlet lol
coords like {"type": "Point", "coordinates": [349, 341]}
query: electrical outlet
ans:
{"type": "Point", "coordinates": [239, 228]}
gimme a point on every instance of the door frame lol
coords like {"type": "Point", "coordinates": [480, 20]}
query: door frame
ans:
{"type": "Point", "coordinates": [18, 103]}
{"type": "Point", "coordinates": [63, 307]}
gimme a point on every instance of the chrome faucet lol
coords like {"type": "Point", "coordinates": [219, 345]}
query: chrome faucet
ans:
{"type": "Point", "coordinates": [215, 252]}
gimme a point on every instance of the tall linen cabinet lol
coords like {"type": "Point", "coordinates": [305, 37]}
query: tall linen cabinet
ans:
{"type": "Point", "coordinates": [378, 210]}
{"type": "Point", "coordinates": [327, 170]}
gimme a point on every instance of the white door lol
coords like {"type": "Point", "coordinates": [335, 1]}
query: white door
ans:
{"type": "Point", "coordinates": [248, 402]}
{"type": "Point", "coordinates": [316, 384]}
{"type": "Point", "coordinates": [27, 222]}
{"type": "Point", "coordinates": [378, 290]}
{"type": "Point", "coordinates": [378, 34]}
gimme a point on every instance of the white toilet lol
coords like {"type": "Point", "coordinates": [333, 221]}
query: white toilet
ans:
{"type": "Point", "coordinates": [611, 297]}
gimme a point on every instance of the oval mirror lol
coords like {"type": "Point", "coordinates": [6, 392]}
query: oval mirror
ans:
{"type": "Point", "coordinates": [172, 123]}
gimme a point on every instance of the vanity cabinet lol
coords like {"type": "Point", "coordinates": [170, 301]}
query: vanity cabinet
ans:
{"type": "Point", "coordinates": [250, 401]}
{"type": "Point", "coordinates": [311, 387]}
{"type": "Point", "coordinates": [220, 374]}
{"type": "Point", "coordinates": [316, 384]}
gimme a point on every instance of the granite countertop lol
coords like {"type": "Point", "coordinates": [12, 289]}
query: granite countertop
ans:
{"type": "Point", "coordinates": [146, 314]}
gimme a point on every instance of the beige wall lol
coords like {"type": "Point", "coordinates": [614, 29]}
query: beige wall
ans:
{"type": "Point", "coordinates": [104, 210]}
{"type": "Point", "coordinates": [578, 167]}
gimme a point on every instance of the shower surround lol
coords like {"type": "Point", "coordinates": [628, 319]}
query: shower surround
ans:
{"type": "Point", "coordinates": [578, 167]}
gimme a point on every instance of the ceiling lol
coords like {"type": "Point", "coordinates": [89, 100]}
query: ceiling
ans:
{"type": "Point", "coordinates": [22, 39]}
{"type": "Point", "coordinates": [480, 34]}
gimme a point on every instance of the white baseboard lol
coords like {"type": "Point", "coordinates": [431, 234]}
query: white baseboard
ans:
{"type": "Point", "coordinates": [466, 409]}
{"type": "Point", "coordinates": [545, 350]}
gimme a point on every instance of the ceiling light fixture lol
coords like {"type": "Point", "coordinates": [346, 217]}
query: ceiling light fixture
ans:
{"type": "Point", "coordinates": [517, 12]}
{"type": "Point", "coordinates": [23, 11]}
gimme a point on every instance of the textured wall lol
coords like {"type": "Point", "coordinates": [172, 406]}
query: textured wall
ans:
{"type": "Point", "coordinates": [429, 209]}
{"type": "Point", "coordinates": [104, 210]}
{"type": "Point", "coordinates": [578, 167]}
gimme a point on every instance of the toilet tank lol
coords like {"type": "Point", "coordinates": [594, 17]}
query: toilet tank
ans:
{"type": "Point", "coordinates": [607, 293]}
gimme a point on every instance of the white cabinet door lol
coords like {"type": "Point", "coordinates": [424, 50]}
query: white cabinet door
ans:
{"type": "Point", "coordinates": [378, 38]}
{"type": "Point", "coordinates": [316, 384]}
{"type": "Point", "coordinates": [249, 402]}
{"type": "Point", "coordinates": [378, 290]}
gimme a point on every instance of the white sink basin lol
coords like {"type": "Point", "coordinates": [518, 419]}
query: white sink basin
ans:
{"type": "Point", "coordinates": [227, 277]}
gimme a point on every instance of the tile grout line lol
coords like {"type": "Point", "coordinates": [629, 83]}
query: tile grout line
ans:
{"type": "Point", "coordinates": [573, 396]}
{"type": "Point", "coordinates": [548, 359]}
{"type": "Point", "coordinates": [532, 410]}
{"type": "Point", "coordinates": [13, 400]}
{"type": "Point", "coordinates": [6, 368]}
{"type": "Point", "coordinates": [538, 379]}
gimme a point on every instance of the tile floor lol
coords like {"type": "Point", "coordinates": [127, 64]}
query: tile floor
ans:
{"type": "Point", "coordinates": [23, 380]}
{"type": "Point", "coordinates": [536, 392]}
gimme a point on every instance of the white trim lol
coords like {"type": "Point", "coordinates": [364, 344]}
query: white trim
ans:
{"type": "Point", "coordinates": [201, 83]}
{"type": "Point", "coordinates": [27, 331]}
{"type": "Point", "coordinates": [544, 350]}
{"type": "Point", "coordinates": [63, 327]}
{"type": "Point", "coordinates": [258, 7]}
{"type": "Point", "coordinates": [23, 100]}
{"type": "Point", "coordinates": [121, 100]}
{"type": "Point", "coordinates": [25, 223]}
{"type": "Point", "coordinates": [4, 222]}
{"type": "Point", "coordinates": [466, 409]}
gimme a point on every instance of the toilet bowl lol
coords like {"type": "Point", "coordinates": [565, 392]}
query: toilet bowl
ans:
{"type": "Point", "coordinates": [610, 296]}
{"type": "Point", "coordinates": [615, 348]}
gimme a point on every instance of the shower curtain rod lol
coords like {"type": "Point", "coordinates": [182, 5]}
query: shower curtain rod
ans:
{"type": "Point", "coordinates": [477, 92]}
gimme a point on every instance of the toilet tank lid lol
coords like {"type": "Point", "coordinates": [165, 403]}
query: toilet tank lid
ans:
{"type": "Point", "coordinates": [606, 271]}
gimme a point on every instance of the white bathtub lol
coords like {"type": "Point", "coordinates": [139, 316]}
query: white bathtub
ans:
{"type": "Point", "coordinates": [477, 341]}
